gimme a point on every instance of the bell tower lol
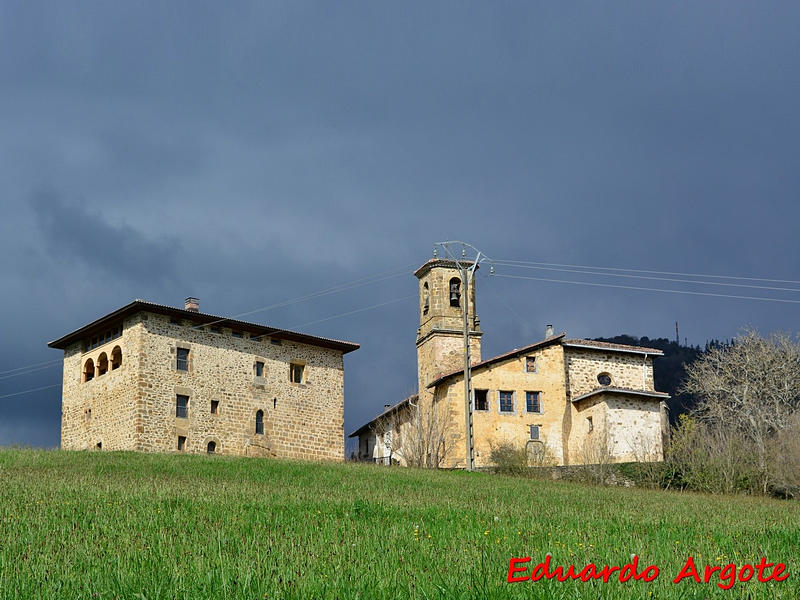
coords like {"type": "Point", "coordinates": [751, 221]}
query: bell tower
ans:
{"type": "Point", "coordinates": [440, 337]}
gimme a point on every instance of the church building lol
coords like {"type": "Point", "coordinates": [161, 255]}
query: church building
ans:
{"type": "Point", "coordinates": [566, 401]}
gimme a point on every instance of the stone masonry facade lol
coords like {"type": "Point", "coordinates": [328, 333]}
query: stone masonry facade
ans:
{"type": "Point", "coordinates": [196, 386]}
{"type": "Point", "coordinates": [565, 401]}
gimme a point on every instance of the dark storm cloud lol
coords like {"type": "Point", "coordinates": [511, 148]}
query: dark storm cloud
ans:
{"type": "Point", "coordinates": [251, 153]}
{"type": "Point", "coordinates": [76, 233]}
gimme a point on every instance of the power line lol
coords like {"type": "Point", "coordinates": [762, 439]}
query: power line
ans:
{"type": "Point", "coordinates": [375, 278]}
{"type": "Point", "coordinates": [49, 362]}
{"type": "Point", "coordinates": [646, 289]}
{"type": "Point", "coordinates": [27, 372]}
{"type": "Point", "coordinates": [332, 290]}
{"type": "Point", "coordinates": [651, 277]}
{"type": "Point", "coordinates": [523, 262]}
{"type": "Point", "coordinates": [45, 387]}
{"type": "Point", "coordinates": [358, 310]}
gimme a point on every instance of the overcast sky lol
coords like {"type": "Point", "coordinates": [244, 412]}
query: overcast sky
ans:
{"type": "Point", "coordinates": [250, 153]}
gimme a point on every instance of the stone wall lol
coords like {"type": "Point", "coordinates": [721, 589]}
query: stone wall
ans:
{"type": "Point", "coordinates": [103, 410]}
{"type": "Point", "coordinates": [134, 407]}
{"type": "Point", "coordinates": [626, 370]}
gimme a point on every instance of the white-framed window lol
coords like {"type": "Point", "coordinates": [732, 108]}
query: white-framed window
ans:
{"type": "Point", "coordinates": [506, 401]}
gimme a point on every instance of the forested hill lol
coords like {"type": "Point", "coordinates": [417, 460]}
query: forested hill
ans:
{"type": "Point", "coordinates": [668, 370]}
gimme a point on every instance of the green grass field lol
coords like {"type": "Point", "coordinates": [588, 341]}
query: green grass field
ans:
{"type": "Point", "coordinates": [121, 525]}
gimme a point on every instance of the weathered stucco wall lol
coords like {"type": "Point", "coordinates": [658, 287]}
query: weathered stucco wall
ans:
{"type": "Point", "coordinates": [492, 426]}
{"type": "Point", "coordinates": [634, 429]}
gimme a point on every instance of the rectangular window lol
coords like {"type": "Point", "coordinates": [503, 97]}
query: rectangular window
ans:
{"type": "Point", "coordinates": [506, 401]}
{"type": "Point", "coordinates": [174, 321]}
{"type": "Point", "coordinates": [182, 406]}
{"type": "Point", "coordinates": [296, 373]}
{"type": "Point", "coordinates": [215, 329]}
{"type": "Point", "coordinates": [238, 334]}
{"type": "Point", "coordinates": [181, 443]}
{"type": "Point", "coordinates": [275, 342]}
{"type": "Point", "coordinates": [259, 369]}
{"type": "Point", "coordinates": [183, 359]}
{"type": "Point", "coordinates": [589, 424]}
{"type": "Point", "coordinates": [534, 430]}
{"type": "Point", "coordinates": [215, 407]}
{"type": "Point", "coordinates": [530, 364]}
{"type": "Point", "coordinates": [481, 399]}
{"type": "Point", "coordinates": [533, 402]}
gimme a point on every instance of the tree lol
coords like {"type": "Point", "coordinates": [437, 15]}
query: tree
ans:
{"type": "Point", "coordinates": [750, 388]}
{"type": "Point", "coordinates": [416, 434]}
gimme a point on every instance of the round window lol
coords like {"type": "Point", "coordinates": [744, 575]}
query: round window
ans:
{"type": "Point", "coordinates": [604, 379]}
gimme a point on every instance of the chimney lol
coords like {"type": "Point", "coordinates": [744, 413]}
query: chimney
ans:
{"type": "Point", "coordinates": [192, 304]}
{"type": "Point", "coordinates": [387, 406]}
{"type": "Point", "coordinates": [548, 331]}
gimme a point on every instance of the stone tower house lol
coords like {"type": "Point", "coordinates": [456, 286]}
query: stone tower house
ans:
{"type": "Point", "coordinates": [154, 378]}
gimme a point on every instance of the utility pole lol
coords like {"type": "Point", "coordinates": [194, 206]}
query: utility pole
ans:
{"type": "Point", "coordinates": [466, 268]}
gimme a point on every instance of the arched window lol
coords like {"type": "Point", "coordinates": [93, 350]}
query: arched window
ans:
{"type": "Point", "coordinates": [426, 298]}
{"type": "Point", "coordinates": [211, 448]}
{"type": "Point", "coordinates": [455, 292]}
{"type": "Point", "coordinates": [88, 370]}
{"type": "Point", "coordinates": [260, 422]}
{"type": "Point", "coordinates": [116, 358]}
{"type": "Point", "coordinates": [102, 364]}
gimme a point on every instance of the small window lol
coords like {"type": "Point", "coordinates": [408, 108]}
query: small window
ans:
{"type": "Point", "coordinates": [426, 298]}
{"type": "Point", "coordinates": [182, 407]}
{"type": "Point", "coordinates": [211, 448]}
{"type": "Point", "coordinates": [506, 401]}
{"type": "Point", "coordinates": [275, 342]}
{"type": "Point", "coordinates": [181, 443]}
{"type": "Point", "coordinates": [238, 334]}
{"type": "Point", "coordinates": [481, 399]}
{"type": "Point", "coordinates": [604, 379]}
{"type": "Point", "coordinates": [260, 422]}
{"type": "Point", "coordinates": [259, 369]}
{"type": "Point", "coordinates": [530, 364]}
{"type": "Point", "coordinates": [215, 407]}
{"type": "Point", "coordinates": [534, 432]}
{"type": "Point", "coordinates": [589, 424]}
{"type": "Point", "coordinates": [296, 373]}
{"type": "Point", "coordinates": [183, 359]}
{"type": "Point", "coordinates": [533, 402]}
{"type": "Point", "coordinates": [174, 321]}
{"type": "Point", "coordinates": [88, 370]}
{"type": "Point", "coordinates": [455, 292]}
{"type": "Point", "coordinates": [215, 329]}
{"type": "Point", "coordinates": [102, 364]}
{"type": "Point", "coordinates": [116, 358]}
{"type": "Point", "coordinates": [99, 445]}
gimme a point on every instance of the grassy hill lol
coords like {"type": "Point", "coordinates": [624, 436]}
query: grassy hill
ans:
{"type": "Point", "coordinates": [121, 525]}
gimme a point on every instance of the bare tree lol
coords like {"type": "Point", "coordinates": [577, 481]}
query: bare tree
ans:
{"type": "Point", "coordinates": [417, 434]}
{"type": "Point", "coordinates": [749, 389]}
